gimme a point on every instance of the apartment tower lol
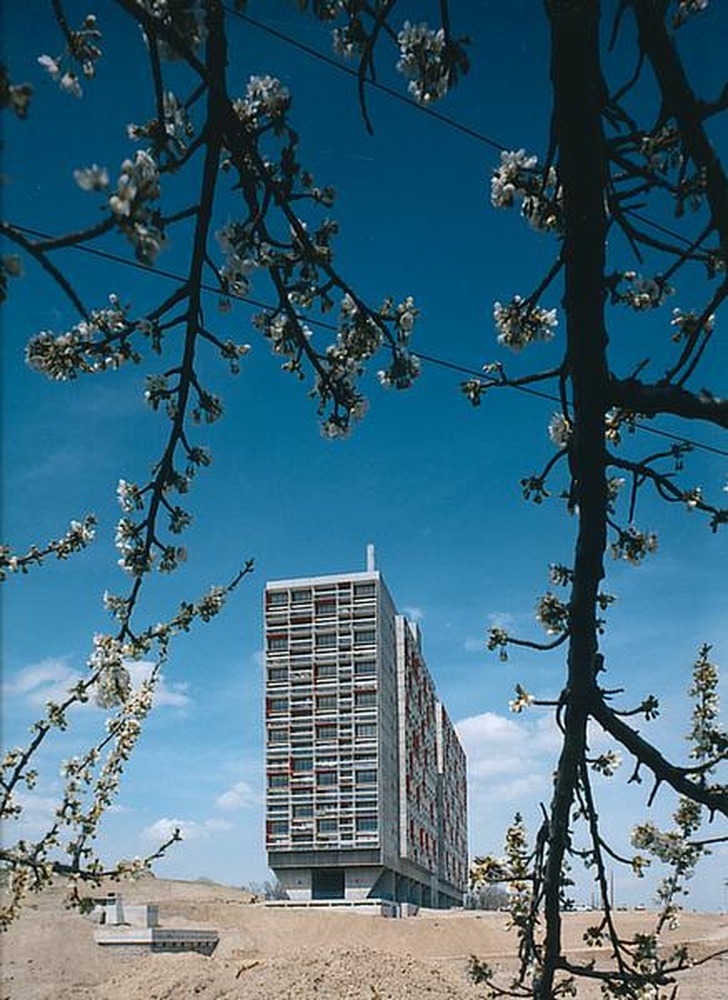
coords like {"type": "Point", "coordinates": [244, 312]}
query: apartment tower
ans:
{"type": "Point", "coordinates": [365, 775]}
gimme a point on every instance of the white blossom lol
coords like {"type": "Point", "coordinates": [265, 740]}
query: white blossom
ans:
{"type": "Point", "coordinates": [506, 180]}
{"type": "Point", "coordinates": [93, 178]}
{"type": "Point", "coordinates": [560, 430]}
{"type": "Point", "coordinates": [517, 178]}
{"type": "Point", "coordinates": [633, 545]}
{"type": "Point", "coordinates": [113, 684]}
{"type": "Point", "coordinates": [643, 293]}
{"type": "Point", "coordinates": [686, 324]}
{"type": "Point", "coordinates": [421, 58]}
{"type": "Point", "coordinates": [264, 96]}
{"type": "Point", "coordinates": [138, 182]}
{"type": "Point", "coordinates": [519, 323]}
{"type": "Point", "coordinates": [69, 83]}
{"type": "Point", "coordinates": [51, 66]}
{"type": "Point", "coordinates": [129, 496]}
{"type": "Point", "coordinates": [687, 9]}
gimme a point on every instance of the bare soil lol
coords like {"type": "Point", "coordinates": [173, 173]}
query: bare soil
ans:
{"type": "Point", "coordinates": [280, 954]}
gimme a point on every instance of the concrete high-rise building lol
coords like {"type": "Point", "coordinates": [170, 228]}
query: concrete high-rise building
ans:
{"type": "Point", "coordinates": [365, 775]}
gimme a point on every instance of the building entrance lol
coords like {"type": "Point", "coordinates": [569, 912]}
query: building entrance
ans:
{"type": "Point", "coordinates": [327, 883]}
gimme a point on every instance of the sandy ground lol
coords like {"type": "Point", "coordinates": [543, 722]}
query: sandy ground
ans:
{"type": "Point", "coordinates": [278, 954]}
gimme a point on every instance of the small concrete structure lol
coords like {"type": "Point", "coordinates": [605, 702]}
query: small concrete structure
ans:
{"type": "Point", "coordinates": [135, 930]}
{"type": "Point", "coordinates": [370, 907]}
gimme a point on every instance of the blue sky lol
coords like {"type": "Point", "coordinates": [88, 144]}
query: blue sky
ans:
{"type": "Point", "coordinates": [433, 483]}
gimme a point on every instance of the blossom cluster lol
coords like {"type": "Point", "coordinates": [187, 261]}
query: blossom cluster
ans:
{"type": "Point", "coordinates": [113, 682]}
{"type": "Point", "coordinates": [184, 17]}
{"type": "Point", "coordinates": [552, 614]}
{"type": "Point", "coordinates": [242, 258]}
{"type": "Point", "coordinates": [520, 322]}
{"type": "Point", "coordinates": [14, 95]}
{"type": "Point", "coordinates": [265, 97]}
{"type": "Point", "coordinates": [561, 430]}
{"type": "Point", "coordinates": [78, 536]}
{"type": "Point", "coordinates": [606, 763]}
{"type": "Point", "coordinates": [135, 557]}
{"type": "Point", "coordinates": [498, 639]}
{"type": "Point", "coordinates": [614, 420]}
{"type": "Point", "coordinates": [708, 738]}
{"type": "Point", "coordinates": [523, 699]}
{"type": "Point", "coordinates": [404, 366]}
{"type": "Point", "coordinates": [640, 293]}
{"type": "Point", "coordinates": [92, 345]}
{"type": "Point", "coordinates": [421, 59]}
{"type": "Point", "coordinates": [172, 133]}
{"type": "Point", "coordinates": [687, 9]}
{"type": "Point", "coordinates": [633, 545]}
{"type": "Point", "coordinates": [518, 179]}
{"type": "Point", "coordinates": [137, 185]}
{"type": "Point", "coordinates": [687, 324]}
{"type": "Point", "coordinates": [82, 52]}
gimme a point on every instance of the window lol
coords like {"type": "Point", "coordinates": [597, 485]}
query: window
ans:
{"type": "Point", "coordinates": [366, 730]}
{"type": "Point", "coordinates": [326, 702]}
{"type": "Point", "coordinates": [303, 811]}
{"type": "Point", "coordinates": [276, 598]}
{"type": "Point", "coordinates": [326, 640]}
{"type": "Point", "coordinates": [278, 827]}
{"type": "Point", "coordinates": [327, 732]}
{"type": "Point", "coordinates": [301, 764]}
{"type": "Point", "coordinates": [278, 704]}
{"type": "Point", "coordinates": [326, 778]}
{"type": "Point", "coordinates": [327, 826]}
{"type": "Point", "coordinates": [300, 596]}
{"type": "Point", "coordinates": [364, 638]}
{"type": "Point", "coordinates": [363, 668]}
{"type": "Point", "coordinates": [277, 673]}
{"type": "Point", "coordinates": [277, 781]}
{"type": "Point", "coordinates": [366, 824]}
{"type": "Point", "coordinates": [326, 606]}
{"type": "Point", "coordinates": [277, 642]}
{"type": "Point", "coordinates": [366, 777]}
{"type": "Point", "coordinates": [365, 699]}
{"type": "Point", "coordinates": [277, 735]}
{"type": "Point", "coordinates": [325, 670]}
{"type": "Point", "coordinates": [364, 589]}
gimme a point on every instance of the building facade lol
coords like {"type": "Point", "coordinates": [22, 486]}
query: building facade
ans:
{"type": "Point", "coordinates": [365, 776]}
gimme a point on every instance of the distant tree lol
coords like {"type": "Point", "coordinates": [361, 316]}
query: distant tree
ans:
{"type": "Point", "coordinates": [607, 178]}
{"type": "Point", "coordinates": [270, 889]}
{"type": "Point", "coordinates": [487, 896]}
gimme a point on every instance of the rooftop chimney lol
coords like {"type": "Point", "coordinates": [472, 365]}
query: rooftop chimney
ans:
{"type": "Point", "coordinates": [371, 563]}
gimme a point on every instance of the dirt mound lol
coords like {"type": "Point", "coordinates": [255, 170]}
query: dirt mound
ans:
{"type": "Point", "coordinates": [339, 974]}
{"type": "Point", "coordinates": [268, 953]}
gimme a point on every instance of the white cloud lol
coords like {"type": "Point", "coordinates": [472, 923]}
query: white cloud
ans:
{"type": "Point", "coordinates": [37, 816]}
{"type": "Point", "coordinates": [473, 645]}
{"type": "Point", "coordinates": [47, 680]}
{"type": "Point", "coordinates": [51, 679]}
{"type": "Point", "coordinates": [507, 759]}
{"type": "Point", "coordinates": [190, 829]}
{"type": "Point", "coordinates": [414, 614]}
{"type": "Point", "coordinates": [501, 619]}
{"type": "Point", "coordinates": [240, 796]}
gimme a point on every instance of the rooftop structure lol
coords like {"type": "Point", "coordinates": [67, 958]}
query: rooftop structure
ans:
{"type": "Point", "coordinates": [366, 778]}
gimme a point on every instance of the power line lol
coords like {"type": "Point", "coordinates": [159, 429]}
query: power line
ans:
{"type": "Point", "coordinates": [423, 109]}
{"type": "Point", "coordinates": [373, 84]}
{"type": "Point", "coordinates": [323, 324]}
